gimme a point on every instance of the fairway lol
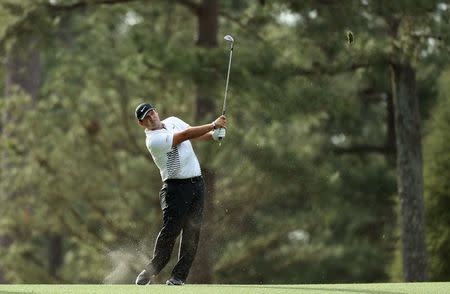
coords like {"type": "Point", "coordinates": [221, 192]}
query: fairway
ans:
{"type": "Point", "coordinates": [387, 288]}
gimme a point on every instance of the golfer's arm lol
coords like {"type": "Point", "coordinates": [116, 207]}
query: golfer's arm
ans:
{"type": "Point", "coordinates": [205, 137]}
{"type": "Point", "coordinates": [193, 133]}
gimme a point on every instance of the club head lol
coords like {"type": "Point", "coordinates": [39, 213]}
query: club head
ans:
{"type": "Point", "coordinates": [229, 38]}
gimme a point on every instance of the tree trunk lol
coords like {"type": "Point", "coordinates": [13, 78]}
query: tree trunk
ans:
{"type": "Point", "coordinates": [24, 68]}
{"type": "Point", "coordinates": [409, 172]}
{"type": "Point", "coordinates": [55, 253]}
{"type": "Point", "coordinates": [23, 72]}
{"type": "Point", "coordinates": [202, 269]}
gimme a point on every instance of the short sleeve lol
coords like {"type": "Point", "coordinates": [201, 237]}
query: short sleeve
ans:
{"type": "Point", "coordinates": [181, 124]}
{"type": "Point", "coordinates": [160, 143]}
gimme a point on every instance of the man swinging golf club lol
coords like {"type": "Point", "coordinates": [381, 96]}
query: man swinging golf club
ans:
{"type": "Point", "coordinates": [182, 192]}
{"type": "Point", "coordinates": [181, 195]}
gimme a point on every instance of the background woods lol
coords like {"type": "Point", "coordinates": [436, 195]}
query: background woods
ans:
{"type": "Point", "coordinates": [336, 163]}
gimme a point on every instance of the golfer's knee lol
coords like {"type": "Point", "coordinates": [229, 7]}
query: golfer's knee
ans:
{"type": "Point", "coordinates": [170, 232]}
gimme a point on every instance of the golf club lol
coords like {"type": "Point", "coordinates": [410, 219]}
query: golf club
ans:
{"type": "Point", "coordinates": [230, 39]}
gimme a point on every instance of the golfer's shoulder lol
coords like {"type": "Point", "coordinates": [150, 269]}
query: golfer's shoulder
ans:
{"type": "Point", "coordinates": [160, 140]}
{"type": "Point", "coordinates": [173, 120]}
{"type": "Point", "coordinates": [176, 122]}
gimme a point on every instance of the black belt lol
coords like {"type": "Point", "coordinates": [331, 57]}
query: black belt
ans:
{"type": "Point", "coordinates": [188, 180]}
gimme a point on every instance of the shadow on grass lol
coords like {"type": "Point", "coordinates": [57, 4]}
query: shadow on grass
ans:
{"type": "Point", "coordinates": [362, 291]}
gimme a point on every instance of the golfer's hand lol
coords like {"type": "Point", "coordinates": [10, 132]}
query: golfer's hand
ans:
{"type": "Point", "coordinates": [220, 122]}
{"type": "Point", "coordinates": [219, 134]}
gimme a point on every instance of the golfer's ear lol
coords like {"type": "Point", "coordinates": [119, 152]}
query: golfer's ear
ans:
{"type": "Point", "coordinates": [140, 122]}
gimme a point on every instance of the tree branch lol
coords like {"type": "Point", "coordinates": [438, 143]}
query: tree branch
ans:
{"type": "Point", "coordinates": [191, 5]}
{"type": "Point", "coordinates": [360, 149]}
{"type": "Point", "coordinates": [82, 4]}
{"type": "Point", "coordinates": [77, 233]}
{"type": "Point", "coordinates": [242, 25]}
{"type": "Point", "coordinates": [19, 25]}
{"type": "Point", "coordinates": [101, 245]}
{"type": "Point", "coordinates": [321, 69]}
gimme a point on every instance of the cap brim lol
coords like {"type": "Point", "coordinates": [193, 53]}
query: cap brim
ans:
{"type": "Point", "coordinates": [145, 113]}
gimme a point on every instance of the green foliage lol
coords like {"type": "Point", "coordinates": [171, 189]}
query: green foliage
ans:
{"type": "Point", "coordinates": [437, 185]}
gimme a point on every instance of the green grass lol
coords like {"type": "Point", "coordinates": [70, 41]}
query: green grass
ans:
{"type": "Point", "coordinates": [387, 288]}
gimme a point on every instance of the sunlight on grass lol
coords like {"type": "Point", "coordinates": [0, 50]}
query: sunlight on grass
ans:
{"type": "Point", "coordinates": [392, 288]}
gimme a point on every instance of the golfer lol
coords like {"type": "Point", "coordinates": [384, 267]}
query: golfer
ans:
{"type": "Point", "coordinates": [181, 196]}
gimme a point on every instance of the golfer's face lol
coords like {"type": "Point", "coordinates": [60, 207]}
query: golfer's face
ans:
{"type": "Point", "coordinates": [152, 118]}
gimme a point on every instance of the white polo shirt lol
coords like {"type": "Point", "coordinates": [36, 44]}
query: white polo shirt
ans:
{"type": "Point", "coordinates": [179, 162]}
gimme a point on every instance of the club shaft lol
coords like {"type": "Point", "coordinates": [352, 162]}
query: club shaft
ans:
{"type": "Point", "coordinates": [226, 84]}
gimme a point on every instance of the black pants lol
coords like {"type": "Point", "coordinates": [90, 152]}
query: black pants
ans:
{"type": "Point", "coordinates": [182, 206]}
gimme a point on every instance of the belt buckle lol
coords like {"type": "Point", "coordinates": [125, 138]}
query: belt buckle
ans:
{"type": "Point", "coordinates": [193, 180]}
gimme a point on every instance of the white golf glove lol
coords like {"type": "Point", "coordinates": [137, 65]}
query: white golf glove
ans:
{"type": "Point", "coordinates": [219, 134]}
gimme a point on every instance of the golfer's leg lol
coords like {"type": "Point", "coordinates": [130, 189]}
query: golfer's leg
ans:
{"type": "Point", "coordinates": [172, 225]}
{"type": "Point", "coordinates": [163, 247]}
{"type": "Point", "coordinates": [190, 237]}
{"type": "Point", "coordinates": [164, 244]}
